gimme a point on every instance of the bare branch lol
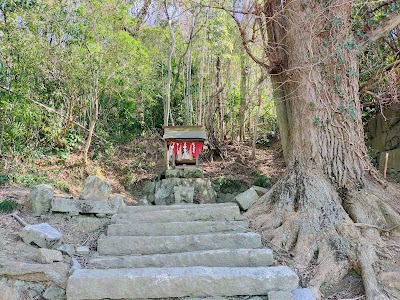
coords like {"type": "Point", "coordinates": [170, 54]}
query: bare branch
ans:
{"type": "Point", "coordinates": [386, 26]}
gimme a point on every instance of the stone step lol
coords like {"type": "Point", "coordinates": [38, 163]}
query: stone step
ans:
{"type": "Point", "coordinates": [128, 245]}
{"type": "Point", "coordinates": [176, 228]}
{"type": "Point", "coordinates": [136, 209]}
{"type": "Point", "coordinates": [209, 258]}
{"type": "Point", "coordinates": [228, 213]}
{"type": "Point", "coordinates": [142, 283]}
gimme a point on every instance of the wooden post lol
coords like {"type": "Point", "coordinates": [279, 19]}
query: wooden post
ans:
{"type": "Point", "coordinates": [385, 165]}
{"type": "Point", "coordinates": [166, 156]}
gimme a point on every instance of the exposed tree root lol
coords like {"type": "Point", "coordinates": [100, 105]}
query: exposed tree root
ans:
{"type": "Point", "coordinates": [326, 232]}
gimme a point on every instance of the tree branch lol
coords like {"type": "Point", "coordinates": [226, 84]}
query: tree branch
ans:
{"type": "Point", "coordinates": [387, 25]}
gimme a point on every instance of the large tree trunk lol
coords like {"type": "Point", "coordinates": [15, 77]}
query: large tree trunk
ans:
{"type": "Point", "coordinates": [327, 212]}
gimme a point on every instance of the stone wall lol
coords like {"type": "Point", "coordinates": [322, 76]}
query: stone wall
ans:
{"type": "Point", "coordinates": [383, 135]}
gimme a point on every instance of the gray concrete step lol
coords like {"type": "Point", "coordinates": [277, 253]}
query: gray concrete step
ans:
{"type": "Point", "coordinates": [211, 213]}
{"type": "Point", "coordinates": [208, 258]}
{"type": "Point", "coordinates": [127, 245]}
{"type": "Point", "coordinates": [136, 209]}
{"type": "Point", "coordinates": [92, 284]}
{"type": "Point", "coordinates": [177, 228]}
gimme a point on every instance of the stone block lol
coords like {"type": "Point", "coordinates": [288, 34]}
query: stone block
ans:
{"type": "Point", "coordinates": [303, 294]}
{"type": "Point", "coordinates": [96, 189]}
{"type": "Point", "coordinates": [183, 194]}
{"type": "Point", "coordinates": [87, 206]}
{"type": "Point", "coordinates": [56, 272]}
{"type": "Point", "coordinates": [82, 250]}
{"type": "Point", "coordinates": [260, 190]}
{"type": "Point", "coordinates": [280, 295]}
{"type": "Point", "coordinates": [47, 256]}
{"type": "Point", "coordinates": [67, 249]}
{"type": "Point", "coordinates": [151, 208]}
{"type": "Point", "coordinates": [129, 245]}
{"type": "Point", "coordinates": [207, 258]}
{"type": "Point", "coordinates": [227, 213]}
{"type": "Point", "coordinates": [42, 235]}
{"type": "Point", "coordinates": [246, 199]}
{"type": "Point", "coordinates": [176, 228]}
{"type": "Point", "coordinates": [39, 199]}
{"type": "Point", "coordinates": [177, 282]}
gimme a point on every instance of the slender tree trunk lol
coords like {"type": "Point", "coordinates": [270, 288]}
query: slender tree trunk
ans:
{"type": "Point", "coordinates": [201, 74]}
{"type": "Point", "coordinates": [243, 94]}
{"type": "Point", "coordinates": [94, 100]}
{"type": "Point", "coordinates": [218, 83]}
{"type": "Point", "coordinates": [189, 106]}
{"type": "Point", "coordinates": [167, 106]}
{"type": "Point", "coordinates": [255, 126]}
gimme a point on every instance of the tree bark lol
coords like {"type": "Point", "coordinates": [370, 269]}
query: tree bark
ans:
{"type": "Point", "coordinates": [330, 186]}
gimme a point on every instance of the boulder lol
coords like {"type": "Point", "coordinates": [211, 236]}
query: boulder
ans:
{"type": "Point", "coordinates": [17, 289]}
{"type": "Point", "coordinates": [171, 173]}
{"type": "Point", "coordinates": [96, 189]}
{"type": "Point", "coordinates": [47, 256]}
{"type": "Point", "coordinates": [393, 160]}
{"type": "Point", "coordinates": [378, 143]}
{"type": "Point", "coordinates": [193, 173]}
{"type": "Point", "coordinates": [149, 187]}
{"type": "Point", "coordinates": [39, 199]}
{"type": "Point", "coordinates": [303, 294]}
{"type": "Point", "coordinates": [75, 265]}
{"type": "Point", "coordinates": [183, 194]}
{"type": "Point", "coordinates": [54, 292]}
{"type": "Point", "coordinates": [42, 235]}
{"type": "Point", "coordinates": [246, 199]}
{"type": "Point", "coordinates": [143, 201]}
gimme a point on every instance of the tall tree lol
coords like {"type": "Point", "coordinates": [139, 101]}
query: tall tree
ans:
{"type": "Point", "coordinates": [329, 208]}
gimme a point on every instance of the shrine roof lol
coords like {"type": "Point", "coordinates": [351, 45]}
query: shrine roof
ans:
{"type": "Point", "coordinates": [184, 132]}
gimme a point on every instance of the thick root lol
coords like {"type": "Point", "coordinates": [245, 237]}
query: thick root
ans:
{"type": "Point", "coordinates": [324, 233]}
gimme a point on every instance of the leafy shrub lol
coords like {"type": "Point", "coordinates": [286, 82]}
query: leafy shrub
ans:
{"type": "Point", "coordinates": [229, 185]}
{"type": "Point", "coordinates": [4, 179]}
{"type": "Point", "coordinates": [8, 205]}
{"type": "Point", "coordinates": [262, 180]}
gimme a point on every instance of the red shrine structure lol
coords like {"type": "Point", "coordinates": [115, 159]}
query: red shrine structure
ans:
{"type": "Point", "coordinates": [184, 144]}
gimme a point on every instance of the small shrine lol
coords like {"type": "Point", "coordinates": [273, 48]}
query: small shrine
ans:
{"type": "Point", "coordinates": [184, 145]}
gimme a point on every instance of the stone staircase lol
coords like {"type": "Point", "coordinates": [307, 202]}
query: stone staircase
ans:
{"type": "Point", "coordinates": [180, 251]}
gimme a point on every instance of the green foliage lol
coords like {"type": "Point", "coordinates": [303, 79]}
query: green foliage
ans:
{"type": "Point", "coordinates": [262, 180]}
{"type": "Point", "coordinates": [29, 179]}
{"type": "Point", "coordinates": [229, 185]}
{"type": "Point", "coordinates": [4, 178]}
{"type": "Point", "coordinates": [8, 205]}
